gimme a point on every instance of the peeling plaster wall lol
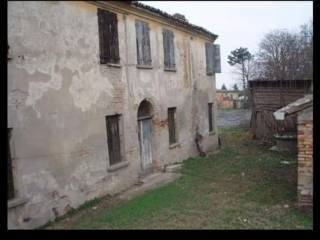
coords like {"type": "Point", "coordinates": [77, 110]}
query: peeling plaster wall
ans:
{"type": "Point", "coordinates": [59, 95]}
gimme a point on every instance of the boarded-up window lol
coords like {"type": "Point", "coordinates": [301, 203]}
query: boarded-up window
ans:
{"type": "Point", "coordinates": [213, 58]}
{"type": "Point", "coordinates": [108, 37]}
{"type": "Point", "coordinates": [113, 136]}
{"type": "Point", "coordinates": [143, 43]}
{"type": "Point", "coordinates": [10, 174]}
{"type": "Point", "coordinates": [168, 48]}
{"type": "Point", "coordinates": [172, 125]}
{"type": "Point", "coordinates": [210, 118]}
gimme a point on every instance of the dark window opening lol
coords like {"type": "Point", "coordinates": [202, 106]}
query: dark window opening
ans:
{"type": "Point", "coordinates": [210, 117]}
{"type": "Point", "coordinates": [108, 37]}
{"type": "Point", "coordinates": [10, 172]}
{"type": "Point", "coordinates": [168, 48]}
{"type": "Point", "coordinates": [113, 136]}
{"type": "Point", "coordinates": [143, 43]}
{"type": "Point", "coordinates": [172, 125]}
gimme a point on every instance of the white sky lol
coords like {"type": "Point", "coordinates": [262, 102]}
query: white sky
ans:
{"type": "Point", "coordinates": [239, 24]}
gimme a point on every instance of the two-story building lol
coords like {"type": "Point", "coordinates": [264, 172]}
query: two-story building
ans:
{"type": "Point", "coordinates": [99, 94]}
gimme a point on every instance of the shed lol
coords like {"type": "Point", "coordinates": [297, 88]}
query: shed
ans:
{"type": "Point", "coordinates": [267, 96]}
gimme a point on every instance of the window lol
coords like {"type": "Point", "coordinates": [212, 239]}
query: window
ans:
{"type": "Point", "coordinates": [143, 44]}
{"type": "Point", "coordinates": [113, 136]}
{"type": "Point", "coordinates": [210, 117]}
{"type": "Point", "coordinates": [172, 125]}
{"type": "Point", "coordinates": [209, 58]}
{"type": "Point", "coordinates": [108, 37]}
{"type": "Point", "coordinates": [168, 48]}
{"type": "Point", "coordinates": [216, 58]}
{"type": "Point", "coordinates": [213, 58]}
{"type": "Point", "coordinates": [10, 174]}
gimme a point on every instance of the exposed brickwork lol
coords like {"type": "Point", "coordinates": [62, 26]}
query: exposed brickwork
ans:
{"type": "Point", "coordinates": [305, 160]}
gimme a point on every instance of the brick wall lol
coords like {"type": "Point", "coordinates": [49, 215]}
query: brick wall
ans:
{"type": "Point", "coordinates": [305, 159]}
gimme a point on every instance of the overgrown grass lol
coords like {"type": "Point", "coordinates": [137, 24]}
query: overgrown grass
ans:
{"type": "Point", "coordinates": [243, 186]}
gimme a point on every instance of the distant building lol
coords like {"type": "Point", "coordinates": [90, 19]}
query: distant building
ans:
{"type": "Point", "coordinates": [227, 99]}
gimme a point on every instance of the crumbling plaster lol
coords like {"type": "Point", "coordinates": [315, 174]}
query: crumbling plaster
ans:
{"type": "Point", "coordinates": [59, 95]}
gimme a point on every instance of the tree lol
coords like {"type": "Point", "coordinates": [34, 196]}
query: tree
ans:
{"type": "Point", "coordinates": [242, 59]}
{"type": "Point", "coordinates": [285, 55]}
{"type": "Point", "coordinates": [223, 87]}
{"type": "Point", "coordinates": [235, 87]}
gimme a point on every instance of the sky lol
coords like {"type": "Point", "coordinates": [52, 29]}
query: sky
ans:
{"type": "Point", "coordinates": [239, 24]}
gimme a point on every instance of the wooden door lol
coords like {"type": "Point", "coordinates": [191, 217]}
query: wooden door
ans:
{"type": "Point", "coordinates": [145, 139]}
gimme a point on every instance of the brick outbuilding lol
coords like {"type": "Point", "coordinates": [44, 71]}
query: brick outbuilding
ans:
{"type": "Point", "coordinates": [303, 107]}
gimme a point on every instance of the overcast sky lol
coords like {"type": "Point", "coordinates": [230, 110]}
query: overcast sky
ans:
{"type": "Point", "coordinates": [239, 23]}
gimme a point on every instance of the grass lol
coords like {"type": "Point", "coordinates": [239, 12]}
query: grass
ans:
{"type": "Point", "coordinates": [242, 186]}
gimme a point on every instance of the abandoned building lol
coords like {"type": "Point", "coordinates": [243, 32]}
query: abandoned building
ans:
{"type": "Point", "coordinates": [267, 96]}
{"type": "Point", "coordinates": [229, 99]}
{"type": "Point", "coordinates": [303, 108]}
{"type": "Point", "coordinates": [99, 94]}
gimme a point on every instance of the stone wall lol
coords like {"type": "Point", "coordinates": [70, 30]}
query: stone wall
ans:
{"type": "Point", "coordinates": [59, 95]}
{"type": "Point", "coordinates": [305, 158]}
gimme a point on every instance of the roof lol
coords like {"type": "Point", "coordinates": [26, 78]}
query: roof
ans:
{"type": "Point", "coordinates": [284, 83]}
{"type": "Point", "coordinates": [172, 19]}
{"type": "Point", "coordinates": [296, 106]}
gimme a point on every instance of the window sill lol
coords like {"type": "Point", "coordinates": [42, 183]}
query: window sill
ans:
{"type": "Point", "coordinates": [118, 166]}
{"type": "Point", "coordinates": [170, 69]}
{"type": "Point", "coordinates": [174, 145]}
{"type": "Point", "coordinates": [145, 66]}
{"type": "Point", "coordinates": [212, 133]}
{"type": "Point", "coordinates": [15, 202]}
{"type": "Point", "coordinates": [116, 65]}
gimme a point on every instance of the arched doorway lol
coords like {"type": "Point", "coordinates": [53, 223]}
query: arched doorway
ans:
{"type": "Point", "coordinates": [145, 135]}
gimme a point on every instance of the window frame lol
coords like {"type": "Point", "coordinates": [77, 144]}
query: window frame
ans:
{"type": "Point", "coordinates": [168, 50]}
{"type": "Point", "coordinates": [11, 194]}
{"type": "Point", "coordinates": [210, 117]}
{"type": "Point", "coordinates": [112, 142]}
{"type": "Point", "coordinates": [172, 128]}
{"type": "Point", "coordinates": [209, 60]}
{"type": "Point", "coordinates": [143, 44]}
{"type": "Point", "coordinates": [108, 37]}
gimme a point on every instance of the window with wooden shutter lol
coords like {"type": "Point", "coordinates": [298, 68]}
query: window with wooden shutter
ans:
{"type": "Point", "coordinates": [168, 48]}
{"type": "Point", "coordinates": [10, 174]}
{"type": "Point", "coordinates": [216, 58]}
{"type": "Point", "coordinates": [143, 43]}
{"type": "Point", "coordinates": [213, 60]}
{"type": "Point", "coordinates": [210, 118]}
{"type": "Point", "coordinates": [172, 125]}
{"type": "Point", "coordinates": [108, 37]}
{"type": "Point", "coordinates": [113, 136]}
{"type": "Point", "coordinates": [209, 58]}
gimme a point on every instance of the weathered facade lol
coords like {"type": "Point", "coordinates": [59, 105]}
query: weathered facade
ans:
{"type": "Point", "coordinates": [267, 96]}
{"type": "Point", "coordinates": [80, 127]}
